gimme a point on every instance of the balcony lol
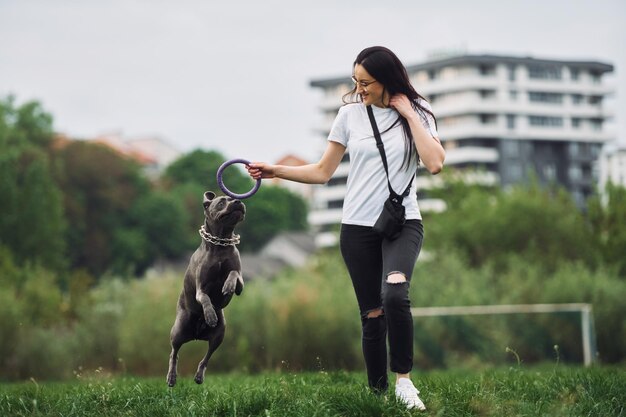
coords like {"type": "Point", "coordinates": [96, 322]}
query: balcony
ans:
{"type": "Point", "coordinates": [471, 154]}
{"type": "Point", "coordinates": [462, 83]}
{"type": "Point", "coordinates": [473, 104]}
{"type": "Point", "coordinates": [462, 131]}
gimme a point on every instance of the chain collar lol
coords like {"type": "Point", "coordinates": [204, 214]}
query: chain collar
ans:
{"type": "Point", "coordinates": [220, 241]}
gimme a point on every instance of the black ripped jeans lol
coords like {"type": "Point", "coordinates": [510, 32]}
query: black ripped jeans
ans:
{"type": "Point", "coordinates": [370, 259]}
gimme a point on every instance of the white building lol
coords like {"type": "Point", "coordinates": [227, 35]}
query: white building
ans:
{"type": "Point", "coordinates": [512, 117]}
{"type": "Point", "coordinates": [153, 153]}
{"type": "Point", "coordinates": [613, 165]}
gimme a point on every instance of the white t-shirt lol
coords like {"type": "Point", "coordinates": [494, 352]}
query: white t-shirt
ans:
{"type": "Point", "coordinates": [367, 182]}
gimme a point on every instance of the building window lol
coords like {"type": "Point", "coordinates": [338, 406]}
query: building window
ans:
{"type": "Point", "coordinates": [335, 204]}
{"type": "Point", "coordinates": [576, 122]}
{"type": "Point", "coordinates": [575, 173]}
{"type": "Point", "coordinates": [511, 72]}
{"type": "Point", "coordinates": [579, 197]}
{"type": "Point", "coordinates": [544, 72]}
{"type": "Point", "coordinates": [432, 74]}
{"type": "Point", "coordinates": [513, 171]}
{"type": "Point", "coordinates": [541, 97]}
{"type": "Point", "coordinates": [574, 73]}
{"type": "Point", "coordinates": [335, 181]}
{"type": "Point", "coordinates": [574, 149]}
{"type": "Point", "coordinates": [595, 77]}
{"type": "Point", "coordinates": [510, 121]}
{"type": "Point", "coordinates": [545, 121]}
{"type": "Point", "coordinates": [595, 150]}
{"type": "Point", "coordinates": [487, 70]}
{"type": "Point", "coordinates": [513, 95]}
{"type": "Point", "coordinates": [510, 148]}
{"type": "Point", "coordinates": [487, 94]}
{"type": "Point", "coordinates": [587, 172]}
{"type": "Point", "coordinates": [595, 100]}
{"type": "Point", "coordinates": [549, 172]}
{"type": "Point", "coordinates": [488, 119]}
{"type": "Point", "coordinates": [577, 98]}
{"type": "Point", "coordinates": [596, 124]}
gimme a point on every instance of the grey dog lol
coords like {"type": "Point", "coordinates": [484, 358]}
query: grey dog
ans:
{"type": "Point", "coordinates": [212, 277]}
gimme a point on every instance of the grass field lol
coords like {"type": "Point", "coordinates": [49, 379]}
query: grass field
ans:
{"type": "Point", "coordinates": [517, 391]}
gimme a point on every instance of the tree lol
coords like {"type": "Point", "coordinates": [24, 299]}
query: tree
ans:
{"type": "Point", "coordinates": [24, 126]}
{"type": "Point", "coordinates": [608, 221]}
{"type": "Point", "coordinates": [200, 167]}
{"type": "Point", "coordinates": [540, 224]}
{"type": "Point", "coordinates": [100, 188]}
{"type": "Point", "coordinates": [156, 229]}
{"type": "Point", "coordinates": [270, 211]}
{"type": "Point", "coordinates": [31, 213]}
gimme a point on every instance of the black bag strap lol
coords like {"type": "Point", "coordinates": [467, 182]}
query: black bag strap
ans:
{"type": "Point", "coordinates": [383, 156]}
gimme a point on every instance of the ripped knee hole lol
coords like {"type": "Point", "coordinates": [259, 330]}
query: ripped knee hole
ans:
{"type": "Point", "coordinates": [396, 278]}
{"type": "Point", "coordinates": [375, 313]}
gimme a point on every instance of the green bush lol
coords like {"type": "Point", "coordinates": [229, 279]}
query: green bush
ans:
{"type": "Point", "coordinates": [304, 319]}
{"type": "Point", "coordinates": [308, 319]}
{"type": "Point", "coordinates": [10, 325]}
{"type": "Point", "coordinates": [448, 280]}
{"type": "Point", "coordinates": [98, 326]}
{"type": "Point", "coordinates": [575, 284]}
{"type": "Point", "coordinates": [44, 353]}
{"type": "Point", "coordinates": [543, 225]}
{"type": "Point", "coordinates": [144, 327]}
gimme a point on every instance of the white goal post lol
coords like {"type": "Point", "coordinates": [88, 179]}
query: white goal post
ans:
{"type": "Point", "coordinates": [586, 317]}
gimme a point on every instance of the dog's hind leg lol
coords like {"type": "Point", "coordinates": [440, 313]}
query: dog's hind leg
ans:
{"type": "Point", "coordinates": [177, 339]}
{"type": "Point", "coordinates": [215, 339]}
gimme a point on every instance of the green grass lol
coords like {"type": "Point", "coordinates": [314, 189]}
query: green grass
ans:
{"type": "Point", "coordinates": [518, 391]}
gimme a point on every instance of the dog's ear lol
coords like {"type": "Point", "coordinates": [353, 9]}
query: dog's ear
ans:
{"type": "Point", "coordinates": [208, 197]}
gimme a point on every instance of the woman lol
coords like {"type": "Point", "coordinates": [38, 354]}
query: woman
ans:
{"type": "Point", "coordinates": [380, 269]}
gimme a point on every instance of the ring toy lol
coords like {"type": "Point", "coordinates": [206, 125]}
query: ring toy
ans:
{"type": "Point", "coordinates": [226, 191]}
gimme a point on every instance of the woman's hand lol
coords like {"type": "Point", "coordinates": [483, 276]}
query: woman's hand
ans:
{"type": "Point", "coordinates": [429, 148]}
{"type": "Point", "coordinates": [261, 170]}
{"type": "Point", "coordinates": [401, 104]}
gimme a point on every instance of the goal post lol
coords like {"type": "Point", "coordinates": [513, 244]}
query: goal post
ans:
{"type": "Point", "coordinates": [586, 317]}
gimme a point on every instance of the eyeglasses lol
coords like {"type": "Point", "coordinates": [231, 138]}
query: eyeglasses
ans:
{"type": "Point", "coordinates": [363, 84]}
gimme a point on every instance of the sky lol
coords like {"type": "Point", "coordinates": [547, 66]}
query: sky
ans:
{"type": "Point", "coordinates": [234, 76]}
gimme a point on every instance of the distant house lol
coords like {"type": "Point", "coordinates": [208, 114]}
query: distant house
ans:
{"type": "Point", "coordinates": [153, 153]}
{"type": "Point", "coordinates": [304, 190]}
{"type": "Point", "coordinates": [288, 249]}
{"type": "Point", "coordinates": [114, 143]}
{"type": "Point", "coordinates": [285, 250]}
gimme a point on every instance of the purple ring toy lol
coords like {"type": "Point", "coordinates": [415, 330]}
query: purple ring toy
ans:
{"type": "Point", "coordinates": [226, 191]}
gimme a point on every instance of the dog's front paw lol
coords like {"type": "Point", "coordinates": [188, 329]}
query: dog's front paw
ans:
{"type": "Point", "coordinates": [229, 287]}
{"type": "Point", "coordinates": [210, 316]}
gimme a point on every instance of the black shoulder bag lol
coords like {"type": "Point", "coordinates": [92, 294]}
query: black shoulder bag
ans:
{"type": "Point", "coordinates": [392, 218]}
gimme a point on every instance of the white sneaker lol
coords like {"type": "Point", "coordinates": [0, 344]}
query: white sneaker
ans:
{"type": "Point", "coordinates": [407, 393]}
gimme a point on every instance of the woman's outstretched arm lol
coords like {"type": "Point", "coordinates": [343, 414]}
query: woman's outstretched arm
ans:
{"type": "Point", "coordinates": [317, 173]}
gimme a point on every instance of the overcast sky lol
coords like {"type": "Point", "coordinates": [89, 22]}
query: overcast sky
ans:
{"type": "Point", "coordinates": [234, 76]}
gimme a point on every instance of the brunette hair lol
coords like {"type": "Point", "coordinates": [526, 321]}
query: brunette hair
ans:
{"type": "Point", "coordinates": [386, 68]}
